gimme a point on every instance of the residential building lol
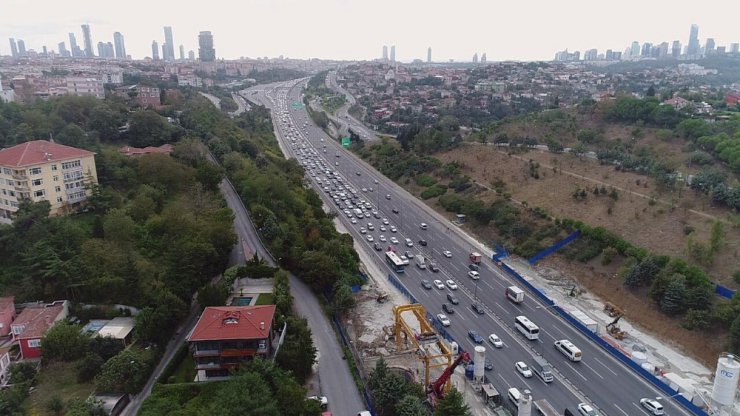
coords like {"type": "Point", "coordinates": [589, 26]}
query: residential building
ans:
{"type": "Point", "coordinates": [155, 50]}
{"type": "Point", "coordinates": [191, 55]}
{"type": "Point", "coordinates": [145, 96]}
{"type": "Point", "coordinates": [7, 314]}
{"type": "Point", "coordinates": [40, 170]}
{"type": "Point", "coordinates": [85, 87]}
{"type": "Point", "coordinates": [189, 80]}
{"type": "Point", "coordinates": [225, 336]}
{"type": "Point", "coordinates": [33, 322]}
{"type": "Point", "coordinates": [120, 328]}
{"type": "Point", "coordinates": [677, 102]}
{"type": "Point", "coordinates": [4, 366]}
{"type": "Point", "coordinates": [120, 47]}
{"type": "Point", "coordinates": [6, 95]}
{"type": "Point", "coordinates": [87, 39]}
{"type": "Point", "coordinates": [13, 48]}
{"type": "Point", "coordinates": [168, 54]}
{"type": "Point", "coordinates": [206, 52]}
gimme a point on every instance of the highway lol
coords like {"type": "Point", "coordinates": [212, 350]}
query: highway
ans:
{"type": "Point", "coordinates": [342, 116]}
{"type": "Point", "coordinates": [598, 379]}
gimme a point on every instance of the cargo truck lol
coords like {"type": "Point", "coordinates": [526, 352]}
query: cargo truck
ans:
{"type": "Point", "coordinates": [542, 368]}
{"type": "Point", "coordinates": [420, 262]}
{"type": "Point", "coordinates": [475, 257]}
{"type": "Point", "coordinates": [545, 408]}
{"type": "Point", "coordinates": [515, 294]}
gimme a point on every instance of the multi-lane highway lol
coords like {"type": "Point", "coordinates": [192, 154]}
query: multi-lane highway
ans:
{"type": "Point", "coordinates": [598, 379]}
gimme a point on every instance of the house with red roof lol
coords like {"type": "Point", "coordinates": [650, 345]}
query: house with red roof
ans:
{"type": "Point", "coordinates": [33, 322]}
{"type": "Point", "coordinates": [41, 170]}
{"type": "Point", "coordinates": [7, 314]}
{"type": "Point", "coordinates": [225, 336]}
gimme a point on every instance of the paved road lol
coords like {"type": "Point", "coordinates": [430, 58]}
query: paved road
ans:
{"type": "Point", "coordinates": [598, 378]}
{"type": "Point", "coordinates": [342, 117]}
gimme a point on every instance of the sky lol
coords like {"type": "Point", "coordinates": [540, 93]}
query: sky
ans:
{"type": "Point", "coordinates": [358, 29]}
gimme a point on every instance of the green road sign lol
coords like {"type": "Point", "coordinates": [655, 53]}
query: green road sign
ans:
{"type": "Point", "coordinates": [297, 105]}
{"type": "Point", "coordinates": [345, 141]}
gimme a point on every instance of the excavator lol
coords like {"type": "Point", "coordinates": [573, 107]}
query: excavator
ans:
{"type": "Point", "coordinates": [614, 329]}
{"type": "Point", "coordinates": [436, 389]}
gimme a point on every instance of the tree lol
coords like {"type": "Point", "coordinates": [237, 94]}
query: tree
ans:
{"type": "Point", "coordinates": [55, 405]}
{"type": "Point", "coordinates": [298, 352]}
{"type": "Point", "coordinates": [210, 175]}
{"type": "Point", "coordinates": [127, 372]}
{"type": "Point", "coordinates": [452, 404]}
{"type": "Point", "coordinates": [212, 295]}
{"type": "Point", "coordinates": [64, 342]}
{"type": "Point", "coordinates": [22, 372]}
{"type": "Point", "coordinates": [734, 337]}
{"type": "Point", "coordinates": [342, 299]}
{"type": "Point", "coordinates": [674, 299]}
{"type": "Point", "coordinates": [244, 391]}
{"type": "Point", "coordinates": [716, 237]}
{"type": "Point", "coordinates": [89, 367]}
{"type": "Point", "coordinates": [411, 406]}
{"type": "Point", "coordinates": [106, 347]}
{"type": "Point", "coordinates": [650, 91]}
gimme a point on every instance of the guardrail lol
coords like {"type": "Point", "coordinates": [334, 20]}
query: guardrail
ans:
{"type": "Point", "coordinates": [605, 345]}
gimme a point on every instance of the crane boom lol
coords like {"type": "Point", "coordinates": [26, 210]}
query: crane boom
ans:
{"type": "Point", "coordinates": [435, 388]}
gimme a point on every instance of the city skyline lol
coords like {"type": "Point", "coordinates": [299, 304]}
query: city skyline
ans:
{"type": "Point", "coordinates": [517, 36]}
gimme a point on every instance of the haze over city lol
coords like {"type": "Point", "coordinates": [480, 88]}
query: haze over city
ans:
{"type": "Point", "coordinates": [349, 30]}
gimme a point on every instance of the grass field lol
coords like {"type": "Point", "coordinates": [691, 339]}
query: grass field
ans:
{"type": "Point", "coordinates": [265, 299]}
{"type": "Point", "coordinates": [56, 379]}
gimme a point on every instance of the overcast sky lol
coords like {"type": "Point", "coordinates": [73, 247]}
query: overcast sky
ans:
{"type": "Point", "coordinates": [357, 29]}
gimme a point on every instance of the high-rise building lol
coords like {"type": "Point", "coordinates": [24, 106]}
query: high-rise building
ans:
{"type": "Point", "coordinates": [693, 49]}
{"type": "Point", "coordinates": [393, 53]}
{"type": "Point", "coordinates": [155, 50]}
{"type": "Point", "coordinates": [590, 55]}
{"type": "Point", "coordinates": [63, 50]}
{"type": "Point", "coordinates": [676, 49]}
{"type": "Point", "coordinates": [647, 50]}
{"type": "Point", "coordinates": [475, 58]}
{"type": "Point", "coordinates": [429, 55]}
{"type": "Point", "coordinates": [182, 53]}
{"type": "Point", "coordinates": [662, 50]}
{"type": "Point", "coordinates": [168, 54]}
{"type": "Point", "coordinates": [87, 38]}
{"type": "Point", "coordinates": [635, 49]}
{"type": "Point", "coordinates": [120, 47]}
{"type": "Point", "coordinates": [44, 51]}
{"type": "Point", "coordinates": [709, 47]}
{"type": "Point", "coordinates": [22, 48]}
{"type": "Point", "coordinates": [74, 49]}
{"type": "Point", "coordinates": [721, 50]}
{"type": "Point", "coordinates": [734, 47]}
{"type": "Point", "coordinates": [617, 56]}
{"type": "Point", "coordinates": [385, 53]}
{"type": "Point", "coordinates": [13, 48]}
{"type": "Point", "coordinates": [206, 52]}
{"type": "Point", "coordinates": [191, 55]}
{"type": "Point", "coordinates": [483, 58]}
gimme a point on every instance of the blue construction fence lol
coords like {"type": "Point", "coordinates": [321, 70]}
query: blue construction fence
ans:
{"type": "Point", "coordinates": [647, 375]}
{"type": "Point", "coordinates": [555, 247]}
{"type": "Point", "coordinates": [725, 292]}
{"type": "Point", "coordinates": [500, 253]}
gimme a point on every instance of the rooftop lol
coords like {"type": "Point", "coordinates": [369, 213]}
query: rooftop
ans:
{"type": "Point", "coordinates": [118, 328]}
{"type": "Point", "coordinates": [7, 302]}
{"type": "Point", "coordinates": [38, 320]}
{"type": "Point", "coordinates": [38, 152]}
{"type": "Point", "coordinates": [233, 322]}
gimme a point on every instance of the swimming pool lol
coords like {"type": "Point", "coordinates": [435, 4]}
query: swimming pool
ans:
{"type": "Point", "coordinates": [241, 301]}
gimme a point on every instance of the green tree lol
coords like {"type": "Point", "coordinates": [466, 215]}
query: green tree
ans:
{"type": "Point", "coordinates": [244, 391]}
{"type": "Point", "coordinates": [127, 372]}
{"type": "Point", "coordinates": [55, 405]}
{"type": "Point", "coordinates": [214, 294]}
{"type": "Point", "coordinates": [298, 352]}
{"type": "Point", "coordinates": [88, 367]}
{"type": "Point", "coordinates": [210, 175]}
{"type": "Point", "coordinates": [452, 404]}
{"type": "Point", "coordinates": [342, 299]}
{"type": "Point", "coordinates": [64, 342]}
{"type": "Point", "coordinates": [716, 236]}
{"type": "Point", "coordinates": [411, 406]}
{"type": "Point", "coordinates": [674, 299]}
{"type": "Point", "coordinates": [734, 336]}
{"type": "Point", "coordinates": [22, 372]}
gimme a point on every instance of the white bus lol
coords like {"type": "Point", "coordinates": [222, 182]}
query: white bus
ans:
{"type": "Point", "coordinates": [527, 327]}
{"type": "Point", "coordinates": [395, 262]}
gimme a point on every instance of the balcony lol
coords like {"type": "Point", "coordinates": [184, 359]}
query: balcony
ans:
{"type": "Point", "coordinates": [205, 353]}
{"type": "Point", "coordinates": [208, 366]}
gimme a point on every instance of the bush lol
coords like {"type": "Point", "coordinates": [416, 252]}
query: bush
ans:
{"type": "Point", "coordinates": [425, 180]}
{"type": "Point", "coordinates": [434, 191]}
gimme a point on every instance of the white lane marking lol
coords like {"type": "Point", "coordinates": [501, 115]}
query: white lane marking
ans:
{"type": "Point", "coordinates": [591, 368]}
{"type": "Point", "coordinates": [508, 386]}
{"type": "Point", "coordinates": [605, 366]}
{"type": "Point", "coordinates": [621, 410]}
{"type": "Point", "coordinates": [461, 316]}
{"type": "Point", "coordinates": [581, 375]}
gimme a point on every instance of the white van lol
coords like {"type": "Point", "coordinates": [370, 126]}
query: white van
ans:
{"type": "Point", "coordinates": [569, 350]}
{"type": "Point", "coordinates": [515, 395]}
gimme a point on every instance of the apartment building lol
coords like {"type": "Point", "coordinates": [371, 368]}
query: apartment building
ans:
{"type": "Point", "coordinates": [40, 170]}
{"type": "Point", "coordinates": [85, 86]}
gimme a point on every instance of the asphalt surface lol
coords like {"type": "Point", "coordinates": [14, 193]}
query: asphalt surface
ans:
{"type": "Point", "coordinates": [342, 116]}
{"type": "Point", "coordinates": [599, 379]}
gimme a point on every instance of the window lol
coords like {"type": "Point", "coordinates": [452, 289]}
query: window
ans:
{"type": "Point", "coordinates": [56, 178]}
{"type": "Point", "coordinates": [11, 182]}
{"type": "Point", "coordinates": [53, 167]}
{"type": "Point", "coordinates": [12, 193]}
{"type": "Point", "coordinates": [34, 171]}
{"type": "Point", "coordinates": [34, 343]}
{"type": "Point", "coordinates": [37, 182]}
{"type": "Point", "coordinates": [39, 194]}
{"type": "Point", "coordinates": [59, 199]}
{"type": "Point", "coordinates": [7, 171]}
{"type": "Point", "coordinates": [5, 192]}
{"type": "Point", "coordinates": [58, 188]}
{"type": "Point", "coordinates": [70, 165]}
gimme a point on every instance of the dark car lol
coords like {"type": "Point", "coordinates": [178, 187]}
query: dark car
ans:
{"type": "Point", "coordinates": [433, 267]}
{"type": "Point", "coordinates": [377, 247]}
{"type": "Point", "coordinates": [489, 365]}
{"type": "Point", "coordinates": [453, 299]}
{"type": "Point", "coordinates": [473, 334]}
{"type": "Point", "coordinates": [423, 243]}
{"type": "Point", "coordinates": [473, 266]}
{"type": "Point", "coordinates": [448, 308]}
{"type": "Point", "coordinates": [478, 308]}
{"type": "Point", "coordinates": [426, 284]}
{"type": "Point", "coordinates": [395, 210]}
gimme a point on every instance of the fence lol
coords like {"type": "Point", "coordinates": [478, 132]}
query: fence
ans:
{"type": "Point", "coordinates": [608, 347]}
{"type": "Point", "coordinates": [725, 292]}
{"type": "Point", "coordinates": [555, 247]}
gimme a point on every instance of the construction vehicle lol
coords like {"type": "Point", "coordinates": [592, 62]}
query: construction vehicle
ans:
{"type": "Point", "coordinates": [612, 310]}
{"type": "Point", "coordinates": [382, 297]}
{"type": "Point", "coordinates": [613, 329]}
{"type": "Point", "coordinates": [436, 389]}
{"type": "Point", "coordinates": [475, 257]}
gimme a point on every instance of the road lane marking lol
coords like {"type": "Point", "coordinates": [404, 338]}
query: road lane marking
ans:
{"type": "Point", "coordinates": [605, 366]}
{"type": "Point", "coordinates": [621, 410]}
{"type": "Point", "coordinates": [581, 375]}
{"type": "Point", "coordinates": [591, 368]}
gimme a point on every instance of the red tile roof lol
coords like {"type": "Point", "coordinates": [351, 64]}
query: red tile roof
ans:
{"type": "Point", "coordinates": [38, 152]}
{"type": "Point", "coordinates": [37, 320]}
{"type": "Point", "coordinates": [233, 322]}
{"type": "Point", "coordinates": [7, 302]}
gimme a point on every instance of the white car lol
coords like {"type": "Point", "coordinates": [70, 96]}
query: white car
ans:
{"type": "Point", "coordinates": [370, 238]}
{"type": "Point", "coordinates": [409, 243]}
{"type": "Point", "coordinates": [586, 410]}
{"type": "Point", "coordinates": [495, 340]}
{"type": "Point", "coordinates": [385, 221]}
{"type": "Point", "coordinates": [652, 406]}
{"type": "Point", "coordinates": [353, 221]}
{"type": "Point", "coordinates": [423, 226]}
{"type": "Point", "coordinates": [393, 229]}
{"type": "Point", "coordinates": [381, 238]}
{"type": "Point", "coordinates": [443, 319]}
{"type": "Point", "coordinates": [382, 228]}
{"type": "Point", "coordinates": [438, 284]}
{"type": "Point", "coordinates": [451, 284]}
{"type": "Point", "coordinates": [323, 401]}
{"type": "Point", "coordinates": [447, 254]}
{"type": "Point", "coordinates": [362, 230]}
{"type": "Point", "coordinates": [394, 240]}
{"type": "Point", "coordinates": [523, 369]}
{"type": "Point", "coordinates": [474, 275]}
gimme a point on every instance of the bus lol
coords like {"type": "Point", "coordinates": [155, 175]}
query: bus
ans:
{"type": "Point", "coordinates": [527, 327]}
{"type": "Point", "coordinates": [394, 261]}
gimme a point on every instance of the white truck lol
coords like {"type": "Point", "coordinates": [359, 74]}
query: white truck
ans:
{"type": "Point", "coordinates": [542, 368]}
{"type": "Point", "coordinates": [515, 294]}
{"type": "Point", "coordinates": [421, 261]}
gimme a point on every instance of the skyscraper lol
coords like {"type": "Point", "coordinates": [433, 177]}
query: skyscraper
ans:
{"type": "Point", "coordinates": [429, 55]}
{"type": "Point", "coordinates": [87, 38]}
{"type": "Point", "coordinates": [385, 53]}
{"type": "Point", "coordinates": [168, 54]}
{"type": "Point", "coordinates": [13, 48]}
{"type": "Point", "coordinates": [191, 55]}
{"type": "Point", "coordinates": [74, 49]}
{"type": "Point", "coordinates": [155, 50]}
{"type": "Point", "coordinates": [709, 47]}
{"type": "Point", "coordinates": [63, 50]}
{"type": "Point", "coordinates": [119, 45]}
{"type": "Point", "coordinates": [676, 49]}
{"type": "Point", "coordinates": [483, 58]}
{"type": "Point", "coordinates": [182, 53]}
{"type": "Point", "coordinates": [105, 50]}
{"type": "Point", "coordinates": [393, 53]}
{"type": "Point", "coordinates": [647, 50]}
{"type": "Point", "coordinates": [734, 47]}
{"type": "Point", "coordinates": [635, 50]}
{"type": "Point", "coordinates": [22, 48]}
{"type": "Point", "coordinates": [475, 58]}
{"type": "Point", "coordinates": [693, 49]}
{"type": "Point", "coordinates": [206, 52]}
